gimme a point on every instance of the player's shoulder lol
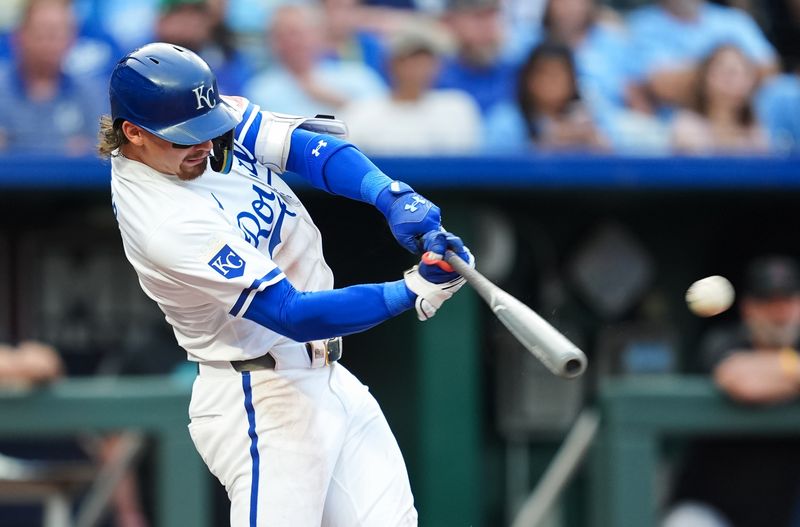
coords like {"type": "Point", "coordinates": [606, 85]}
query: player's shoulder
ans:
{"type": "Point", "coordinates": [185, 230]}
{"type": "Point", "coordinates": [150, 205]}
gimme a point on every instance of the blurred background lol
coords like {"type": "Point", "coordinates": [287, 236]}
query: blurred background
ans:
{"type": "Point", "coordinates": [597, 156]}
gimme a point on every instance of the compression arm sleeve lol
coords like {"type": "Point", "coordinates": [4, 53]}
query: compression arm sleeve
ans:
{"type": "Point", "coordinates": [335, 166]}
{"type": "Point", "coordinates": [306, 316]}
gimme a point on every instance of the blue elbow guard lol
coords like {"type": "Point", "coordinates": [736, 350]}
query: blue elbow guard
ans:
{"type": "Point", "coordinates": [336, 166]}
{"type": "Point", "coordinates": [308, 154]}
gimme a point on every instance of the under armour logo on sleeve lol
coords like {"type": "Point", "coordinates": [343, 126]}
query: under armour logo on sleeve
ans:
{"type": "Point", "coordinates": [321, 144]}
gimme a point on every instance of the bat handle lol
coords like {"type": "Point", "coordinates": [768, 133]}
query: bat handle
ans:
{"type": "Point", "coordinates": [456, 262]}
{"type": "Point", "coordinates": [468, 272]}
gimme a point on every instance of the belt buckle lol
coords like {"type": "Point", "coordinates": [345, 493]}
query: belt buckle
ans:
{"type": "Point", "coordinates": [333, 349]}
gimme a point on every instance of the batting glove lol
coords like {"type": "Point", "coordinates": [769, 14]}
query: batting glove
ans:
{"type": "Point", "coordinates": [409, 215]}
{"type": "Point", "coordinates": [433, 280]}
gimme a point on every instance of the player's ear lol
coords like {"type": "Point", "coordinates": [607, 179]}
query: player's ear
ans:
{"type": "Point", "coordinates": [134, 134]}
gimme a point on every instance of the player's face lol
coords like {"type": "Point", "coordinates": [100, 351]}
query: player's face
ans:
{"type": "Point", "coordinates": [186, 163]}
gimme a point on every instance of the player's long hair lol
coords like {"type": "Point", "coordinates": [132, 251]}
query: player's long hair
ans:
{"type": "Point", "coordinates": [110, 137]}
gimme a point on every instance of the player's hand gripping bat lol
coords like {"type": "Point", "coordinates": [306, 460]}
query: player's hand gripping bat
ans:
{"type": "Point", "coordinates": [546, 343]}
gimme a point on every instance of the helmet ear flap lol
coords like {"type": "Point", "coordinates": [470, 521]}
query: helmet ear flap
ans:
{"type": "Point", "coordinates": [222, 153]}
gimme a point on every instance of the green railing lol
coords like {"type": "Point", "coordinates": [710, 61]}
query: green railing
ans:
{"type": "Point", "coordinates": [638, 414]}
{"type": "Point", "coordinates": [156, 406]}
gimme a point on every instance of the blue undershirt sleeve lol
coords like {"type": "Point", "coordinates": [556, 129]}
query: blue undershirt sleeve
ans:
{"type": "Point", "coordinates": [306, 316]}
{"type": "Point", "coordinates": [335, 166]}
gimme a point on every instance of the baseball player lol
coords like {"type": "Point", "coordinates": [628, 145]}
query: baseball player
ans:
{"type": "Point", "coordinates": [234, 261]}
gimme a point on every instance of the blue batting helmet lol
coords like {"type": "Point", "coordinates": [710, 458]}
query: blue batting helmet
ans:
{"type": "Point", "coordinates": [170, 92]}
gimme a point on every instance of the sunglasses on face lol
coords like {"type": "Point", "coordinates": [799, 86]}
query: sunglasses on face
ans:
{"type": "Point", "coordinates": [221, 151]}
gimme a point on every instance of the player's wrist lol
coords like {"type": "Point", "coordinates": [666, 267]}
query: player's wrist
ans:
{"type": "Point", "coordinates": [373, 184]}
{"type": "Point", "coordinates": [389, 194]}
{"type": "Point", "coordinates": [398, 297]}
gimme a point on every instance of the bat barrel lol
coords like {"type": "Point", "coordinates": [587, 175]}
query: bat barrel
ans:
{"type": "Point", "coordinates": [538, 336]}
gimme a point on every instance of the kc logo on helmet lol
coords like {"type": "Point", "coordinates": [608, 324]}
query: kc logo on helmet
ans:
{"type": "Point", "coordinates": [206, 98]}
{"type": "Point", "coordinates": [227, 263]}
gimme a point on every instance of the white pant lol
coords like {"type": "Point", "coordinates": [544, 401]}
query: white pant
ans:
{"type": "Point", "coordinates": [300, 448]}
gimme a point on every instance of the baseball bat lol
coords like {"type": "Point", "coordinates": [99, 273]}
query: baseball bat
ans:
{"type": "Point", "coordinates": [545, 342]}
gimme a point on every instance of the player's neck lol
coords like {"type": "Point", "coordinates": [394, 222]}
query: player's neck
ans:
{"type": "Point", "coordinates": [130, 152]}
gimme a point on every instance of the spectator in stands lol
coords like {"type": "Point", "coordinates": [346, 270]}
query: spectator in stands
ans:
{"type": "Point", "coordinates": [194, 25]}
{"type": "Point", "coordinates": [778, 108]}
{"type": "Point", "coordinates": [303, 83]}
{"type": "Point", "coordinates": [28, 364]}
{"type": "Point", "coordinates": [754, 8]}
{"type": "Point", "coordinates": [129, 24]}
{"type": "Point", "coordinates": [601, 50]}
{"type": "Point", "coordinates": [347, 39]}
{"type": "Point", "coordinates": [522, 21]}
{"type": "Point", "coordinates": [722, 118]}
{"type": "Point", "coordinates": [549, 113]}
{"type": "Point", "coordinates": [33, 363]}
{"type": "Point", "coordinates": [94, 51]}
{"type": "Point", "coordinates": [45, 109]}
{"type": "Point", "coordinates": [778, 101]}
{"type": "Point", "coordinates": [606, 79]}
{"type": "Point", "coordinates": [247, 17]}
{"type": "Point", "coordinates": [477, 67]}
{"type": "Point", "coordinates": [738, 481]}
{"type": "Point", "coordinates": [673, 36]}
{"type": "Point", "coordinates": [414, 118]}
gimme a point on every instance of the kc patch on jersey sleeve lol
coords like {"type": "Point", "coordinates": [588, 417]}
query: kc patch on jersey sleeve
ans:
{"type": "Point", "coordinates": [227, 263]}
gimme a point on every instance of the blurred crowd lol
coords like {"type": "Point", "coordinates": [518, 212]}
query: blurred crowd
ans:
{"type": "Point", "coordinates": [434, 77]}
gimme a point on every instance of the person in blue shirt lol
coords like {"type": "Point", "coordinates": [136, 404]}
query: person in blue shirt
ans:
{"type": "Point", "coordinates": [346, 38]}
{"type": "Point", "coordinates": [193, 25]}
{"type": "Point", "coordinates": [673, 36]}
{"type": "Point", "coordinates": [45, 108]}
{"type": "Point", "coordinates": [778, 107]}
{"type": "Point", "coordinates": [478, 66]}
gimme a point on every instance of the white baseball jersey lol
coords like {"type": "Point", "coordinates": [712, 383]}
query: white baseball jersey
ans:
{"type": "Point", "coordinates": [203, 248]}
{"type": "Point", "coordinates": [294, 446]}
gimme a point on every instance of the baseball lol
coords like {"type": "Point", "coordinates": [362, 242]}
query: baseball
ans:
{"type": "Point", "coordinates": [710, 296]}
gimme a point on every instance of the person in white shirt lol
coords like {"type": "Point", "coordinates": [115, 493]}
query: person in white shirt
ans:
{"type": "Point", "coordinates": [300, 80]}
{"type": "Point", "coordinates": [415, 119]}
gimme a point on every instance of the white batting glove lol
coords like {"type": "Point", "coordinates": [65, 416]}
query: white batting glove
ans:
{"type": "Point", "coordinates": [430, 296]}
{"type": "Point", "coordinates": [434, 281]}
